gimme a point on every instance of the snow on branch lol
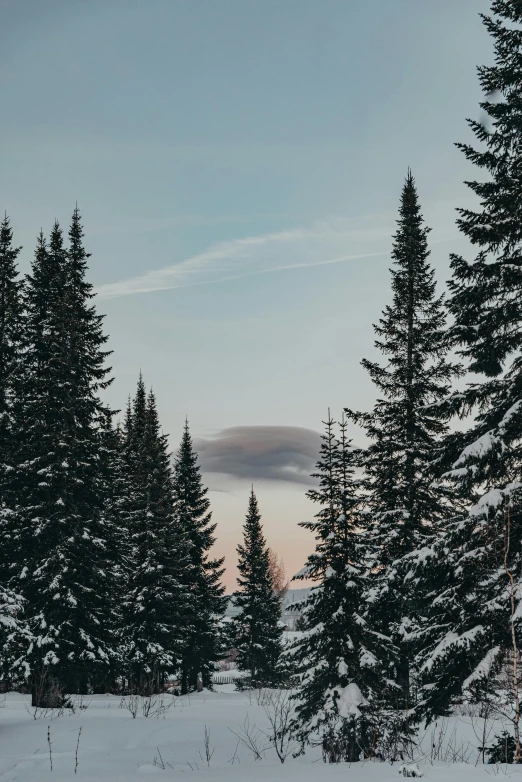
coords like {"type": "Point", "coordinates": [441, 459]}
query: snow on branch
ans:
{"type": "Point", "coordinates": [483, 668]}
{"type": "Point", "coordinates": [451, 641]}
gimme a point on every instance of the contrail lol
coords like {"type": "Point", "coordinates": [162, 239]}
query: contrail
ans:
{"type": "Point", "coordinates": [221, 261]}
{"type": "Point", "coordinates": [112, 290]}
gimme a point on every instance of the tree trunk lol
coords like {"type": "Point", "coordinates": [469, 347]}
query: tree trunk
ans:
{"type": "Point", "coordinates": [46, 691]}
{"type": "Point", "coordinates": [403, 679]}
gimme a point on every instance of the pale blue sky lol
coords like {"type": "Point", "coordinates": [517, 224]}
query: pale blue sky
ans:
{"type": "Point", "coordinates": [220, 141]}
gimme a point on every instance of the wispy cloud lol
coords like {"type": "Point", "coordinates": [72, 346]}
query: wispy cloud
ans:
{"type": "Point", "coordinates": [325, 243]}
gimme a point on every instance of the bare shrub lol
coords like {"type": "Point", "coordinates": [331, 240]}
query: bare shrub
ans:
{"type": "Point", "coordinates": [50, 745]}
{"type": "Point", "coordinates": [276, 569]}
{"type": "Point", "coordinates": [159, 762]}
{"type": "Point", "coordinates": [149, 706]}
{"type": "Point", "coordinates": [76, 753]}
{"type": "Point", "coordinates": [251, 737]}
{"type": "Point", "coordinates": [208, 751]}
{"type": "Point", "coordinates": [279, 710]}
{"type": "Point", "coordinates": [446, 747]}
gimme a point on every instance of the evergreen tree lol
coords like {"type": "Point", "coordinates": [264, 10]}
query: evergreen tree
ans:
{"type": "Point", "coordinates": [404, 431]}
{"type": "Point", "coordinates": [11, 322]}
{"type": "Point", "coordinates": [132, 507]}
{"type": "Point", "coordinates": [258, 625]}
{"type": "Point", "coordinates": [344, 667]}
{"type": "Point", "coordinates": [475, 620]}
{"type": "Point", "coordinates": [156, 601]}
{"type": "Point", "coordinates": [14, 638]}
{"type": "Point", "coordinates": [114, 479]}
{"type": "Point", "coordinates": [63, 563]}
{"type": "Point", "coordinates": [203, 582]}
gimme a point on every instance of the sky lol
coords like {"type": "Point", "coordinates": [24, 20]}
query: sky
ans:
{"type": "Point", "coordinates": [238, 165]}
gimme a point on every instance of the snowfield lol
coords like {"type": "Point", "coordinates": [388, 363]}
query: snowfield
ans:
{"type": "Point", "coordinates": [115, 747]}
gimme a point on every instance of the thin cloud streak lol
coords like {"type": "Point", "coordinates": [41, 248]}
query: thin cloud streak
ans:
{"type": "Point", "coordinates": [220, 263]}
{"type": "Point", "coordinates": [223, 259]}
{"type": "Point", "coordinates": [103, 294]}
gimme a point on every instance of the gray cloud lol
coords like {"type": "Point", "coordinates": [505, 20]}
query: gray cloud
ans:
{"type": "Point", "coordinates": [275, 453]}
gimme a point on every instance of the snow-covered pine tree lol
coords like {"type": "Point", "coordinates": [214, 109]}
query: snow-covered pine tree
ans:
{"type": "Point", "coordinates": [129, 511]}
{"type": "Point", "coordinates": [14, 638]}
{"type": "Point", "coordinates": [207, 603]}
{"type": "Point", "coordinates": [156, 600]}
{"type": "Point", "coordinates": [404, 431]}
{"type": "Point", "coordinates": [117, 551]}
{"type": "Point", "coordinates": [475, 619]}
{"type": "Point", "coordinates": [63, 564]}
{"type": "Point", "coordinates": [343, 666]}
{"type": "Point", "coordinates": [258, 636]}
{"type": "Point", "coordinates": [11, 326]}
{"type": "Point", "coordinates": [15, 525]}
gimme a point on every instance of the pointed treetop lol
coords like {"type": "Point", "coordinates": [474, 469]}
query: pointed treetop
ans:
{"type": "Point", "coordinates": [252, 504]}
{"type": "Point", "coordinates": [6, 237]}
{"type": "Point", "coordinates": [151, 406]}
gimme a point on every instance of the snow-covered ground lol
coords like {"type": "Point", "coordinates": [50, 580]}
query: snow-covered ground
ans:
{"type": "Point", "coordinates": [115, 747]}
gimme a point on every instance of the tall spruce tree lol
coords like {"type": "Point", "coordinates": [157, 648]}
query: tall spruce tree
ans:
{"type": "Point", "coordinates": [344, 667]}
{"type": "Point", "coordinates": [475, 620]}
{"type": "Point", "coordinates": [404, 431]}
{"type": "Point", "coordinates": [258, 636]}
{"type": "Point", "coordinates": [207, 602]}
{"type": "Point", "coordinates": [63, 566]}
{"type": "Point", "coordinates": [114, 478]}
{"type": "Point", "coordinates": [156, 601]}
{"type": "Point", "coordinates": [11, 329]}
